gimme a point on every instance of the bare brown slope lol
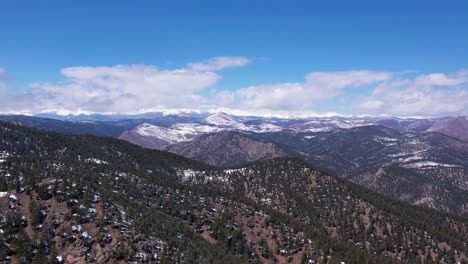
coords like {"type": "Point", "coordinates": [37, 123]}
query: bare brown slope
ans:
{"type": "Point", "coordinates": [456, 127]}
{"type": "Point", "coordinates": [227, 148]}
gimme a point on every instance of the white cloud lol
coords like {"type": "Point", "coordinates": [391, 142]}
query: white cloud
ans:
{"type": "Point", "coordinates": [224, 98]}
{"type": "Point", "coordinates": [218, 63]}
{"type": "Point", "coordinates": [318, 86]}
{"type": "Point", "coordinates": [425, 95]}
{"type": "Point", "coordinates": [120, 88]}
{"type": "Point", "coordinates": [145, 88]}
{"type": "Point", "coordinates": [440, 79]}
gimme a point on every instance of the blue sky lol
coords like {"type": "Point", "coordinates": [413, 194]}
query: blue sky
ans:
{"type": "Point", "coordinates": [350, 57]}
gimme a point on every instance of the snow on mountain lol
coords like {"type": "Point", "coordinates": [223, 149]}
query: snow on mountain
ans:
{"type": "Point", "coordinates": [168, 134]}
{"type": "Point", "coordinates": [223, 119]}
{"type": "Point", "coordinates": [190, 129]}
{"type": "Point", "coordinates": [326, 124]}
{"type": "Point", "coordinates": [267, 128]}
{"type": "Point", "coordinates": [426, 163]}
{"type": "Point", "coordinates": [228, 122]}
{"type": "Point", "coordinates": [158, 137]}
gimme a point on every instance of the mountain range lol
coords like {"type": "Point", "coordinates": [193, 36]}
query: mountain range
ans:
{"type": "Point", "coordinates": [421, 161]}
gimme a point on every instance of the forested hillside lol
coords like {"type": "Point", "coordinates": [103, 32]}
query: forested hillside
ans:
{"type": "Point", "coordinates": [429, 169]}
{"type": "Point", "coordinates": [78, 199]}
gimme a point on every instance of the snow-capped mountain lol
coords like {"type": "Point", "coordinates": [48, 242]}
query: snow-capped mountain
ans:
{"type": "Point", "coordinates": [325, 124]}
{"type": "Point", "coordinates": [159, 137]}
{"type": "Point", "coordinates": [229, 122]}
{"type": "Point", "coordinates": [222, 119]}
{"type": "Point", "coordinates": [225, 121]}
{"type": "Point", "coordinates": [168, 134]}
{"type": "Point", "coordinates": [200, 123]}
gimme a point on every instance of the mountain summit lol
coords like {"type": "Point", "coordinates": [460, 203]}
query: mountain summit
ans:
{"type": "Point", "coordinates": [223, 119]}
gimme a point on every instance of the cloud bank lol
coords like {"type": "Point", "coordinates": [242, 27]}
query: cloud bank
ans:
{"type": "Point", "coordinates": [427, 95]}
{"type": "Point", "coordinates": [318, 86]}
{"type": "Point", "coordinates": [140, 88]}
{"type": "Point", "coordinates": [120, 88]}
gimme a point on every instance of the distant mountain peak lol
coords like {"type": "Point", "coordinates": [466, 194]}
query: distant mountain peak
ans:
{"type": "Point", "coordinates": [222, 119]}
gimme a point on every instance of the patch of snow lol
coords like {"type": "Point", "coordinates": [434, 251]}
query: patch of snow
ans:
{"type": "Point", "coordinates": [3, 156]}
{"type": "Point", "coordinates": [190, 174]}
{"type": "Point", "coordinates": [403, 154]}
{"type": "Point", "coordinates": [168, 134]}
{"type": "Point", "coordinates": [426, 163]}
{"type": "Point", "coordinates": [322, 129]}
{"type": "Point", "coordinates": [3, 194]}
{"type": "Point", "coordinates": [424, 201]}
{"type": "Point", "coordinates": [411, 158]}
{"type": "Point", "coordinates": [86, 121]}
{"type": "Point", "coordinates": [184, 132]}
{"type": "Point", "coordinates": [229, 171]}
{"type": "Point", "coordinates": [96, 161]}
{"type": "Point", "coordinates": [190, 129]}
{"type": "Point", "coordinates": [265, 128]}
{"type": "Point", "coordinates": [414, 142]}
{"type": "Point", "coordinates": [386, 141]}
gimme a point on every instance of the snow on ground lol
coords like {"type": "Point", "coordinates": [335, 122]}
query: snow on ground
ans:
{"type": "Point", "coordinates": [386, 141]}
{"type": "Point", "coordinates": [187, 131]}
{"type": "Point", "coordinates": [266, 128]}
{"type": "Point", "coordinates": [411, 158]}
{"type": "Point", "coordinates": [229, 171]}
{"type": "Point", "coordinates": [222, 119]}
{"type": "Point", "coordinates": [414, 142]}
{"type": "Point", "coordinates": [322, 129]}
{"type": "Point", "coordinates": [177, 133]}
{"type": "Point", "coordinates": [168, 134]}
{"type": "Point", "coordinates": [404, 154]}
{"type": "Point", "coordinates": [97, 161]}
{"type": "Point", "coordinates": [187, 174]}
{"type": "Point", "coordinates": [425, 201]}
{"type": "Point", "coordinates": [190, 129]}
{"type": "Point", "coordinates": [86, 121]}
{"type": "Point", "coordinates": [328, 124]}
{"type": "Point", "coordinates": [3, 194]}
{"type": "Point", "coordinates": [190, 175]}
{"type": "Point", "coordinates": [426, 163]}
{"type": "Point", "coordinates": [3, 156]}
{"type": "Point", "coordinates": [350, 123]}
